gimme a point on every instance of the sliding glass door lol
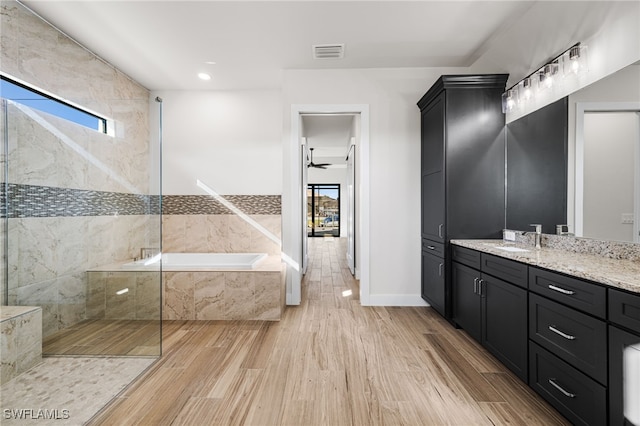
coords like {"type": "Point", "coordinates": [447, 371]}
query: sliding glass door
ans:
{"type": "Point", "coordinates": [323, 210]}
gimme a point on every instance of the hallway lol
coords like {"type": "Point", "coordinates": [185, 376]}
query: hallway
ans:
{"type": "Point", "coordinates": [329, 361]}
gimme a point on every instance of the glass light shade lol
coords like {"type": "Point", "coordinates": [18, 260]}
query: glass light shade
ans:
{"type": "Point", "coordinates": [509, 100]}
{"type": "Point", "coordinates": [525, 90]}
{"type": "Point", "coordinates": [575, 60]}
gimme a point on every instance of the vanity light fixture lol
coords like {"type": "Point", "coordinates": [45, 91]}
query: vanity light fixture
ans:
{"type": "Point", "coordinates": [571, 62]}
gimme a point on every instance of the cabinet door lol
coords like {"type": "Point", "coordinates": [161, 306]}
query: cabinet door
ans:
{"type": "Point", "coordinates": [432, 134]}
{"type": "Point", "coordinates": [504, 323]}
{"type": "Point", "coordinates": [433, 281]}
{"type": "Point", "coordinates": [466, 300]}
{"type": "Point", "coordinates": [433, 206]}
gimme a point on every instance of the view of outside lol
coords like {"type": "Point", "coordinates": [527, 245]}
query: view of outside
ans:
{"type": "Point", "coordinates": [323, 210]}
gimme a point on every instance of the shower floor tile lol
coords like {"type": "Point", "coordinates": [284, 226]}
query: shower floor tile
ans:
{"type": "Point", "coordinates": [67, 390]}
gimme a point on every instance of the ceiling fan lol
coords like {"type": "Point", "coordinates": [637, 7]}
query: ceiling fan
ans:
{"type": "Point", "coordinates": [318, 166]}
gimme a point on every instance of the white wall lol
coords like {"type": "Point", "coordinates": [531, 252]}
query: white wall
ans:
{"type": "Point", "coordinates": [230, 140]}
{"type": "Point", "coordinates": [394, 178]}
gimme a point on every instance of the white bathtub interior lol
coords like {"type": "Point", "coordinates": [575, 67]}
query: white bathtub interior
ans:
{"type": "Point", "coordinates": [182, 261]}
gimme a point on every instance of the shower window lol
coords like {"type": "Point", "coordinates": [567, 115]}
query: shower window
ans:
{"type": "Point", "coordinates": [32, 98]}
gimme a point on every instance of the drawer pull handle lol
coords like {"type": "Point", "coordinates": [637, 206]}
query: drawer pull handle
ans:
{"type": "Point", "coordinates": [565, 335]}
{"type": "Point", "coordinates": [564, 392]}
{"type": "Point", "coordinates": [440, 230]}
{"type": "Point", "coordinates": [561, 290]}
{"type": "Point", "coordinates": [475, 285]}
{"type": "Point", "coordinates": [431, 247]}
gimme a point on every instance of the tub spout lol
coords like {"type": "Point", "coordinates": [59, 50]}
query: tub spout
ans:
{"type": "Point", "coordinates": [148, 252]}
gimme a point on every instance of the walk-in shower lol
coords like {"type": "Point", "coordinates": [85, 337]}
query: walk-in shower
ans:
{"type": "Point", "coordinates": [74, 199]}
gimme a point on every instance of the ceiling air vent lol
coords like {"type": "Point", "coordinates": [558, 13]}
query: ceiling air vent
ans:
{"type": "Point", "coordinates": [328, 51]}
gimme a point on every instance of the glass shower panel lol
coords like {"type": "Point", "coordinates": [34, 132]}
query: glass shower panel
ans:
{"type": "Point", "coordinates": [82, 208]}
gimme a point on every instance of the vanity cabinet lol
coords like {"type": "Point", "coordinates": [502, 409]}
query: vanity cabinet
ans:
{"type": "Point", "coordinates": [624, 354]}
{"type": "Point", "coordinates": [462, 170]}
{"type": "Point", "coordinates": [568, 345]}
{"type": "Point", "coordinates": [492, 310]}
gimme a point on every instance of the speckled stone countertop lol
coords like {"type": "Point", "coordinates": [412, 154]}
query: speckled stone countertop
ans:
{"type": "Point", "coordinates": [619, 273]}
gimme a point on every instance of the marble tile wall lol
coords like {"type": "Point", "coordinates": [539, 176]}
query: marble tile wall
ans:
{"type": "Point", "coordinates": [20, 340]}
{"type": "Point", "coordinates": [219, 233]}
{"type": "Point", "coordinates": [140, 302]}
{"type": "Point", "coordinates": [243, 295]}
{"type": "Point", "coordinates": [81, 184]}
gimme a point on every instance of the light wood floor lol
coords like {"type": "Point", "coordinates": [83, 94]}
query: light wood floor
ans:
{"type": "Point", "coordinates": [106, 337]}
{"type": "Point", "coordinates": [329, 361]}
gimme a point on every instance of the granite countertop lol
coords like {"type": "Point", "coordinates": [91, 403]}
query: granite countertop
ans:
{"type": "Point", "coordinates": [623, 274]}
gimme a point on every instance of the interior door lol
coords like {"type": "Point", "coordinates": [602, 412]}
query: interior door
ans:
{"type": "Point", "coordinates": [350, 213]}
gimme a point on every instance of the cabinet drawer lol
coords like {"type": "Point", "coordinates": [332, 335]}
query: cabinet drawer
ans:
{"type": "Point", "coordinates": [587, 297]}
{"type": "Point", "coordinates": [624, 309]}
{"type": "Point", "coordinates": [508, 270]}
{"type": "Point", "coordinates": [465, 256]}
{"type": "Point", "coordinates": [580, 399]}
{"type": "Point", "coordinates": [577, 338]}
{"type": "Point", "coordinates": [433, 247]}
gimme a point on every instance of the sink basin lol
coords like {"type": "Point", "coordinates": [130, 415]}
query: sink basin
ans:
{"type": "Point", "coordinates": [512, 249]}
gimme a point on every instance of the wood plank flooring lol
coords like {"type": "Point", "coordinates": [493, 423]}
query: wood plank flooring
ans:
{"type": "Point", "coordinates": [106, 337]}
{"type": "Point", "coordinates": [329, 361]}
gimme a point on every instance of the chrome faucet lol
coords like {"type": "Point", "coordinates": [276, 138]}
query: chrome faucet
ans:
{"type": "Point", "coordinates": [538, 234]}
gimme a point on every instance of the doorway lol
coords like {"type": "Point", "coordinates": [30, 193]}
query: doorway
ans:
{"type": "Point", "coordinates": [323, 210]}
{"type": "Point", "coordinates": [294, 236]}
{"type": "Point", "coordinates": [608, 156]}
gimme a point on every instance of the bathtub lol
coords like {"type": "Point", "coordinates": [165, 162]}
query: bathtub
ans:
{"type": "Point", "coordinates": [199, 261]}
{"type": "Point", "coordinates": [195, 286]}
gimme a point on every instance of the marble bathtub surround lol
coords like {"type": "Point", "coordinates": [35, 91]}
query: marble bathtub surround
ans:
{"type": "Point", "coordinates": [219, 234]}
{"type": "Point", "coordinates": [106, 298]}
{"type": "Point", "coordinates": [20, 340]}
{"type": "Point", "coordinates": [619, 273]}
{"type": "Point", "coordinates": [225, 295]}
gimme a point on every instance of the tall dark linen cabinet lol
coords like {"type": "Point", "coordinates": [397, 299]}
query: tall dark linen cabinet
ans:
{"type": "Point", "coordinates": [463, 173]}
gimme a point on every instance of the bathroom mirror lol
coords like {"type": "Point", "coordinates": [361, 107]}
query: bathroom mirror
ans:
{"type": "Point", "coordinates": [603, 190]}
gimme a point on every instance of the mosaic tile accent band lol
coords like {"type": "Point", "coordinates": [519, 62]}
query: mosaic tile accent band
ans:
{"type": "Point", "coordinates": [44, 201]}
{"type": "Point", "coordinates": [205, 204]}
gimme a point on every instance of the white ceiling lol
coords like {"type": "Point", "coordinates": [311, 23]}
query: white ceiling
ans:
{"type": "Point", "coordinates": [164, 44]}
{"type": "Point", "coordinates": [329, 135]}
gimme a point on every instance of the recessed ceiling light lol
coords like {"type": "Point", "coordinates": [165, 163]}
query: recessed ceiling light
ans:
{"type": "Point", "coordinates": [204, 76]}
{"type": "Point", "coordinates": [210, 62]}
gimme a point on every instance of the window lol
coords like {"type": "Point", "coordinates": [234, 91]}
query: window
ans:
{"type": "Point", "coordinates": [323, 210]}
{"type": "Point", "coordinates": [32, 98]}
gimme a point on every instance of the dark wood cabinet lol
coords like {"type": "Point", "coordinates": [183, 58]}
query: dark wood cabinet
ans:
{"type": "Point", "coordinates": [433, 280]}
{"type": "Point", "coordinates": [467, 309]}
{"type": "Point", "coordinates": [492, 311]}
{"type": "Point", "coordinates": [624, 350]}
{"type": "Point", "coordinates": [577, 338]}
{"type": "Point", "coordinates": [462, 169]}
{"type": "Point", "coordinates": [579, 398]}
{"type": "Point", "coordinates": [575, 342]}
{"type": "Point", "coordinates": [504, 323]}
